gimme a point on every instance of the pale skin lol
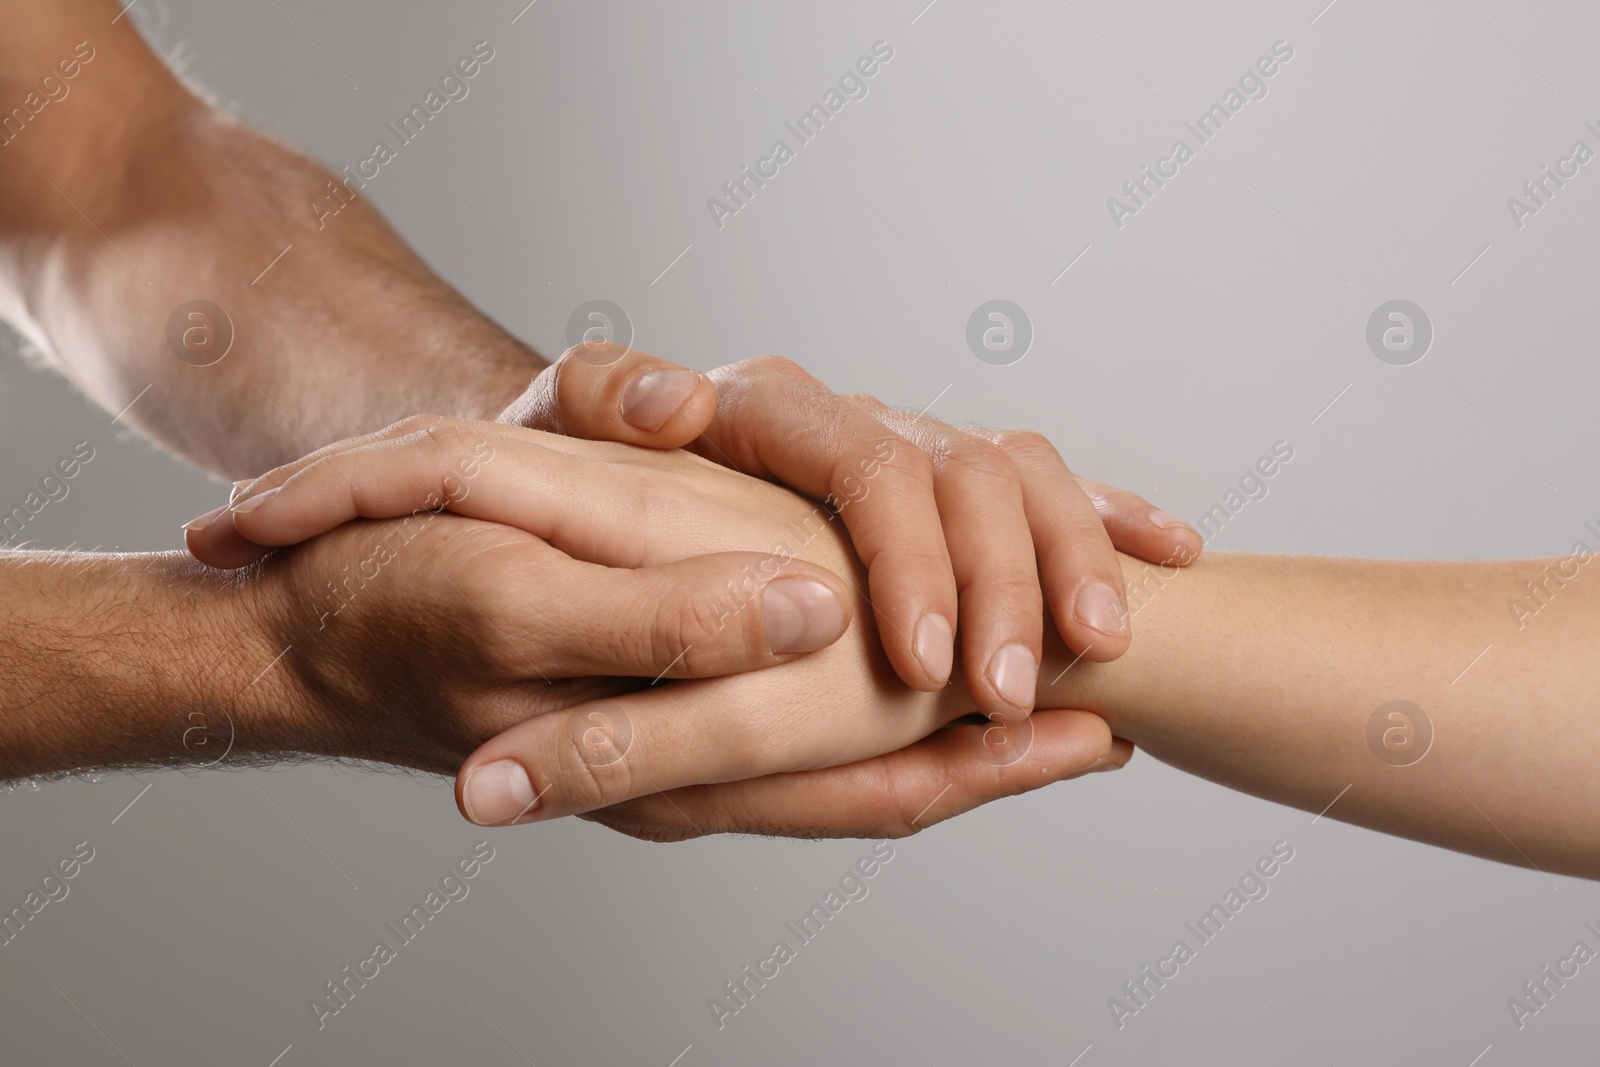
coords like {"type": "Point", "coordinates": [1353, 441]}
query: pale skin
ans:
{"type": "Point", "coordinates": [1257, 672]}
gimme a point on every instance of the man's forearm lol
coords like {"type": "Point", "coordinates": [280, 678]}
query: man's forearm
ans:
{"type": "Point", "coordinates": [147, 240]}
{"type": "Point", "coordinates": [1266, 673]}
{"type": "Point", "coordinates": [116, 660]}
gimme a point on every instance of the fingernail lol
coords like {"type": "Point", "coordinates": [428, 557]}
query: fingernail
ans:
{"type": "Point", "coordinates": [802, 615]}
{"type": "Point", "coordinates": [1100, 608]}
{"type": "Point", "coordinates": [935, 646]}
{"type": "Point", "coordinates": [238, 487]}
{"type": "Point", "coordinates": [1014, 673]}
{"type": "Point", "coordinates": [1166, 520]}
{"type": "Point", "coordinates": [656, 395]}
{"type": "Point", "coordinates": [201, 522]}
{"type": "Point", "coordinates": [498, 792]}
{"type": "Point", "coordinates": [250, 503]}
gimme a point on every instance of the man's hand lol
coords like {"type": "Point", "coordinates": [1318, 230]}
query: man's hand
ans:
{"type": "Point", "coordinates": [627, 507]}
{"type": "Point", "coordinates": [958, 529]}
{"type": "Point", "coordinates": [457, 629]}
{"type": "Point", "coordinates": [896, 795]}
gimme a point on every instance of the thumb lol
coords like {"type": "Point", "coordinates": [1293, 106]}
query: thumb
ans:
{"type": "Point", "coordinates": [610, 392]}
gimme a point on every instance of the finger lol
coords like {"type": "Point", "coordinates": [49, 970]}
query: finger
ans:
{"type": "Point", "coordinates": [706, 616]}
{"type": "Point", "coordinates": [1121, 752]}
{"type": "Point", "coordinates": [774, 420]}
{"type": "Point", "coordinates": [1082, 576]}
{"type": "Point", "coordinates": [991, 527]}
{"type": "Point", "coordinates": [979, 492]}
{"type": "Point", "coordinates": [213, 541]}
{"type": "Point", "coordinates": [218, 544]}
{"type": "Point", "coordinates": [609, 392]}
{"type": "Point", "coordinates": [604, 752]}
{"type": "Point", "coordinates": [549, 493]}
{"type": "Point", "coordinates": [894, 795]}
{"type": "Point", "coordinates": [1140, 529]}
{"type": "Point", "coordinates": [278, 475]}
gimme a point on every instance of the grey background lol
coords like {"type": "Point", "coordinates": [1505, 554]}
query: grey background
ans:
{"type": "Point", "coordinates": [1222, 318]}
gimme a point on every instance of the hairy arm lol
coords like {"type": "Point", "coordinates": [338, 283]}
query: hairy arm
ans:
{"type": "Point", "coordinates": [124, 197]}
{"type": "Point", "coordinates": [129, 660]}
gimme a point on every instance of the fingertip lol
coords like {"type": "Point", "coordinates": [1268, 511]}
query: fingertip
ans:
{"type": "Point", "coordinates": [1181, 542]}
{"type": "Point", "coordinates": [900, 643]}
{"type": "Point", "coordinates": [202, 522]}
{"type": "Point", "coordinates": [219, 545]}
{"type": "Point", "coordinates": [1187, 544]}
{"type": "Point", "coordinates": [802, 614]}
{"type": "Point", "coordinates": [901, 610]}
{"type": "Point", "coordinates": [670, 405]}
{"type": "Point", "coordinates": [1095, 621]}
{"type": "Point", "coordinates": [252, 517]}
{"type": "Point", "coordinates": [249, 504]}
{"type": "Point", "coordinates": [1166, 520]}
{"type": "Point", "coordinates": [1013, 675]}
{"type": "Point", "coordinates": [1076, 742]}
{"type": "Point", "coordinates": [934, 645]}
{"type": "Point", "coordinates": [496, 793]}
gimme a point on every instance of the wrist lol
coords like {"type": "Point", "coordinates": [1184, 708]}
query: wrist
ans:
{"type": "Point", "coordinates": [1122, 691]}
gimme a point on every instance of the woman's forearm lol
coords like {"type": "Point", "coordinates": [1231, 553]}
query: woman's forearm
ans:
{"type": "Point", "coordinates": [1274, 675]}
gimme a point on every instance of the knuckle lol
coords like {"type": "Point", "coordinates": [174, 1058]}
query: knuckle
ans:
{"type": "Point", "coordinates": [867, 401]}
{"type": "Point", "coordinates": [1112, 501]}
{"type": "Point", "coordinates": [1028, 444]}
{"type": "Point", "coordinates": [591, 354]}
{"type": "Point", "coordinates": [593, 762]}
{"type": "Point", "coordinates": [902, 562]}
{"type": "Point", "coordinates": [1016, 589]}
{"type": "Point", "coordinates": [499, 621]}
{"type": "Point", "coordinates": [412, 424]}
{"type": "Point", "coordinates": [445, 435]}
{"type": "Point", "coordinates": [869, 455]}
{"type": "Point", "coordinates": [692, 629]}
{"type": "Point", "coordinates": [903, 813]}
{"type": "Point", "coordinates": [558, 377]}
{"type": "Point", "coordinates": [901, 458]}
{"type": "Point", "coordinates": [744, 389]}
{"type": "Point", "coordinates": [770, 364]}
{"type": "Point", "coordinates": [1085, 527]}
{"type": "Point", "coordinates": [449, 443]}
{"type": "Point", "coordinates": [972, 458]}
{"type": "Point", "coordinates": [1102, 496]}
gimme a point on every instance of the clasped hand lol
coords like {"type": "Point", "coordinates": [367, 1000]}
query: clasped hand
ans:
{"type": "Point", "coordinates": [531, 607]}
